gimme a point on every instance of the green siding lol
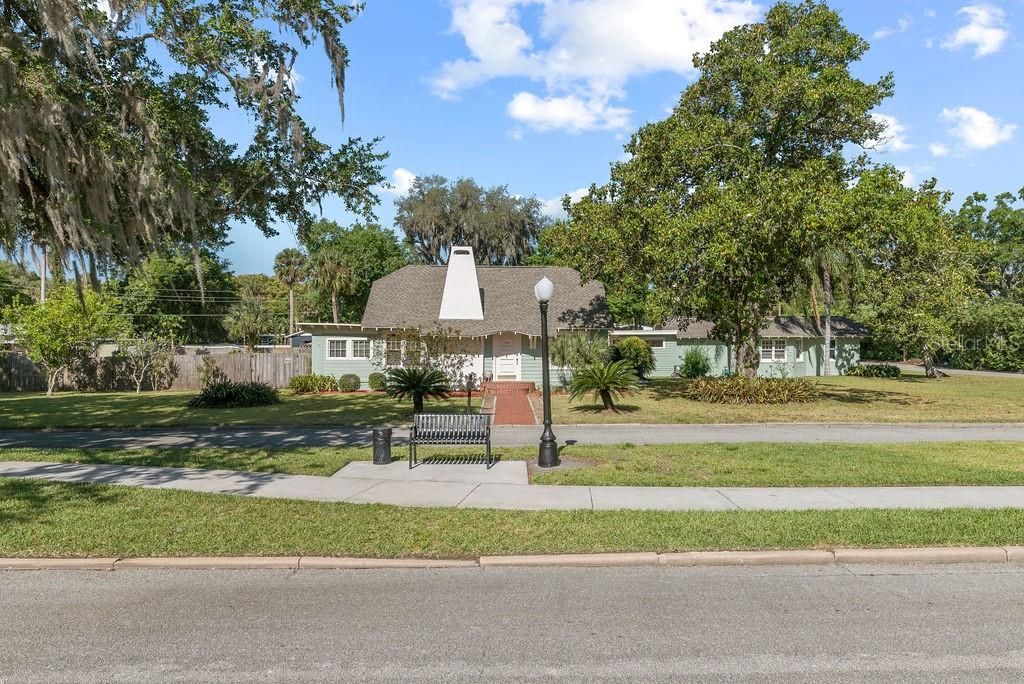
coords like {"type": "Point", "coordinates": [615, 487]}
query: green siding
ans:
{"type": "Point", "coordinates": [488, 356]}
{"type": "Point", "coordinates": [338, 367]}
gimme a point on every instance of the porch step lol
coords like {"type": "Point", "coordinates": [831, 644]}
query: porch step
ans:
{"type": "Point", "coordinates": [508, 387]}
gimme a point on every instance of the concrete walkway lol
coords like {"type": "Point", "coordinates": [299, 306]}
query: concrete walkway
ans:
{"type": "Point", "coordinates": [916, 368]}
{"type": "Point", "coordinates": [855, 433]}
{"type": "Point", "coordinates": [476, 487]}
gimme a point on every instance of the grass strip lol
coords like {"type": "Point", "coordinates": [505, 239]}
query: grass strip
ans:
{"type": "Point", "coordinates": [45, 519]}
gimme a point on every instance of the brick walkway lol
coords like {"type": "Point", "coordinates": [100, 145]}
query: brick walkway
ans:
{"type": "Point", "coordinates": [511, 402]}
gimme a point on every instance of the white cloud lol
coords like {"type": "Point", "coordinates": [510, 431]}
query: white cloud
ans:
{"type": "Point", "coordinates": [401, 182]}
{"type": "Point", "coordinates": [985, 30]}
{"type": "Point", "coordinates": [901, 26]}
{"type": "Point", "coordinates": [553, 207]}
{"type": "Point", "coordinates": [909, 179]}
{"type": "Point", "coordinates": [583, 51]}
{"type": "Point", "coordinates": [976, 129]}
{"type": "Point", "coordinates": [895, 137]}
{"type": "Point", "coordinates": [569, 113]}
{"type": "Point", "coordinates": [938, 150]}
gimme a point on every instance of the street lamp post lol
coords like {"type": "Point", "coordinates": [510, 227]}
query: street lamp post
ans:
{"type": "Point", "coordinates": [548, 454]}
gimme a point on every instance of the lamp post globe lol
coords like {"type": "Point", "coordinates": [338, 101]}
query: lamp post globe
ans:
{"type": "Point", "coordinates": [547, 455]}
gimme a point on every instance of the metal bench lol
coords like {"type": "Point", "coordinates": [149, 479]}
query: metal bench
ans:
{"type": "Point", "coordinates": [450, 430]}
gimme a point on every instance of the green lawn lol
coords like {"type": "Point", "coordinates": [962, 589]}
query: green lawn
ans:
{"type": "Point", "coordinates": [673, 465]}
{"type": "Point", "coordinates": [847, 400]}
{"type": "Point", "coordinates": [42, 519]}
{"type": "Point", "coordinates": [908, 399]}
{"type": "Point", "coordinates": [170, 409]}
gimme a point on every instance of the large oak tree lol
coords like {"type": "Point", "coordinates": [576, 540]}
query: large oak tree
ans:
{"type": "Point", "coordinates": [715, 209]}
{"type": "Point", "coordinates": [106, 147]}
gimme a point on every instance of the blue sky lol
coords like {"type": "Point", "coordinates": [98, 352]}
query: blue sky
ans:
{"type": "Point", "coordinates": [540, 95]}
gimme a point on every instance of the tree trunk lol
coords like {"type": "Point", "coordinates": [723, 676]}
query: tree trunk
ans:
{"type": "Point", "coordinates": [138, 385]}
{"type": "Point", "coordinates": [42, 279]}
{"type": "Point", "coordinates": [291, 310]}
{"type": "Point", "coordinates": [51, 381]}
{"type": "Point", "coordinates": [826, 286]}
{"type": "Point", "coordinates": [748, 357]}
{"type": "Point", "coordinates": [814, 305]}
{"type": "Point", "coordinates": [417, 403]}
{"type": "Point", "coordinates": [606, 399]}
{"type": "Point", "coordinates": [334, 307]}
{"type": "Point", "coordinates": [929, 365]}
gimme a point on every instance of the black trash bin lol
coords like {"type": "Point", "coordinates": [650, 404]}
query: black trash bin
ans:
{"type": "Point", "coordinates": [381, 445]}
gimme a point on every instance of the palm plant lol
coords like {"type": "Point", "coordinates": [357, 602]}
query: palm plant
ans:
{"type": "Point", "coordinates": [418, 382]}
{"type": "Point", "coordinates": [290, 269]}
{"type": "Point", "coordinates": [247, 320]}
{"type": "Point", "coordinates": [331, 273]}
{"type": "Point", "coordinates": [605, 381]}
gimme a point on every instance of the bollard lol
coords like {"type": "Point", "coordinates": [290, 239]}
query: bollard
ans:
{"type": "Point", "coordinates": [381, 445]}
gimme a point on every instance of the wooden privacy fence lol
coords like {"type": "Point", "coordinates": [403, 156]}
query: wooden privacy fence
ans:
{"type": "Point", "coordinates": [276, 368]}
{"type": "Point", "coordinates": [19, 374]}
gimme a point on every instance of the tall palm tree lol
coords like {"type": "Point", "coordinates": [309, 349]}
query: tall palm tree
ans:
{"type": "Point", "coordinates": [331, 274]}
{"type": "Point", "coordinates": [290, 269]}
{"type": "Point", "coordinates": [832, 265]}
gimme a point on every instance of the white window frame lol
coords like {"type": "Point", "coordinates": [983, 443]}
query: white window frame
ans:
{"type": "Point", "coordinates": [352, 349]}
{"type": "Point", "coordinates": [348, 347]}
{"type": "Point", "coordinates": [775, 346]}
{"type": "Point", "coordinates": [833, 349]}
{"type": "Point", "coordinates": [656, 343]}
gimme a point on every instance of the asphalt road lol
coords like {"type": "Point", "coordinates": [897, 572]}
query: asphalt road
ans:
{"type": "Point", "coordinates": [935, 623]}
{"type": "Point", "coordinates": [520, 435]}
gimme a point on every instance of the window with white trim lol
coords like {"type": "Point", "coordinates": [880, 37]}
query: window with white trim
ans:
{"type": "Point", "coordinates": [773, 350]}
{"type": "Point", "coordinates": [337, 349]}
{"type": "Point", "coordinates": [360, 349]}
{"type": "Point", "coordinates": [393, 353]}
{"type": "Point", "coordinates": [655, 344]}
{"type": "Point", "coordinates": [832, 349]}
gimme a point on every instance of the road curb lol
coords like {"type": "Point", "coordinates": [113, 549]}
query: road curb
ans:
{"type": "Point", "coordinates": [907, 556]}
{"type": "Point", "coordinates": [922, 555]}
{"type": "Point", "coordinates": [329, 563]}
{"type": "Point", "coordinates": [573, 560]}
{"type": "Point", "coordinates": [705, 558]}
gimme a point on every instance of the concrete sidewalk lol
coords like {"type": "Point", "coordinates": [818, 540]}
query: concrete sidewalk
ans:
{"type": "Point", "coordinates": [506, 436]}
{"type": "Point", "coordinates": [490, 489]}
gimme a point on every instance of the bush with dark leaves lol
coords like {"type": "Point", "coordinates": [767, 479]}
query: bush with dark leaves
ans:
{"type": "Point", "coordinates": [228, 394]}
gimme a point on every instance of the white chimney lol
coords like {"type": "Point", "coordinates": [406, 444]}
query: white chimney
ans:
{"type": "Point", "coordinates": [461, 298]}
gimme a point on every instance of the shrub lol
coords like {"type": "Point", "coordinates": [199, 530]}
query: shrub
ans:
{"type": "Point", "coordinates": [635, 351]}
{"type": "Point", "coordinates": [210, 372]}
{"type": "Point", "coordinates": [990, 336]}
{"type": "Point", "coordinates": [419, 383]}
{"type": "Point", "coordinates": [739, 389]}
{"type": "Point", "coordinates": [604, 382]}
{"type": "Point", "coordinates": [696, 364]}
{"type": "Point", "coordinates": [349, 382]}
{"type": "Point", "coordinates": [377, 381]}
{"type": "Point", "coordinates": [881, 370]}
{"type": "Point", "coordinates": [577, 350]}
{"type": "Point", "coordinates": [307, 384]}
{"type": "Point", "coordinates": [228, 394]}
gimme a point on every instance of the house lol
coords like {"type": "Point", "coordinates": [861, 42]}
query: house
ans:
{"type": "Point", "coordinates": [491, 308]}
{"type": "Point", "coordinates": [791, 346]}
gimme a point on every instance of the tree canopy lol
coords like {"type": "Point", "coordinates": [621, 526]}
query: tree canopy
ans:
{"type": "Point", "coordinates": [501, 228]}
{"type": "Point", "coordinates": [106, 147]}
{"type": "Point", "coordinates": [716, 208]}
{"type": "Point", "coordinates": [368, 251]}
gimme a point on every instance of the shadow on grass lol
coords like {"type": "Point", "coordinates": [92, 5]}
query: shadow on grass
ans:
{"type": "Point", "coordinates": [598, 409]}
{"type": "Point", "coordinates": [30, 501]}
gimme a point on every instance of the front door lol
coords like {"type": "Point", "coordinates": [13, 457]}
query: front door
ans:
{"type": "Point", "coordinates": [507, 349]}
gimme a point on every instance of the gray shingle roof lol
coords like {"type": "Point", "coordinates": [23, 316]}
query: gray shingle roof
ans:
{"type": "Point", "coordinates": [411, 297]}
{"type": "Point", "coordinates": [780, 326]}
